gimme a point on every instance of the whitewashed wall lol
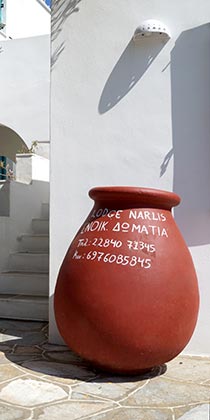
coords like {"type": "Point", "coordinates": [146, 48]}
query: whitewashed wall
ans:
{"type": "Point", "coordinates": [25, 18]}
{"type": "Point", "coordinates": [132, 115]}
{"type": "Point", "coordinates": [25, 83]}
{"type": "Point", "coordinates": [24, 204]}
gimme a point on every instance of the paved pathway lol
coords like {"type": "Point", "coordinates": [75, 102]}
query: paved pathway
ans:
{"type": "Point", "coordinates": [47, 382]}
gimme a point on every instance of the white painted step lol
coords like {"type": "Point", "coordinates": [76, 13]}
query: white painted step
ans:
{"type": "Point", "coordinates": [40, 225]}
{"type": "Point", "coordinates": [24, 283]}
{"type": "Point", "coordinates": [45, 210]}
{"type": "Point", "coordinates": [29, 262]}
{"type": "Point", "coordinates": [34, 242]}
{"type": "Point", "coordinates": [24, 307]}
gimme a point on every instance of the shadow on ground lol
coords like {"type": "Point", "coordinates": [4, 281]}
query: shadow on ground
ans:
{"type": "Point", "coordinates": [25, 343]}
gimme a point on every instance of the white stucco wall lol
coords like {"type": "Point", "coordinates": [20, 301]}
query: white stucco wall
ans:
{"type": "Point", "coordinates": [125, 114]}
{"type": "Point", "coordinates": [25, 203]}
{"type": "Point", "coordinates": [31, 167]}
{"type": "Point", "coordinates": [25, 82]}
{"type": "Point", "coordinates": [25, 18]}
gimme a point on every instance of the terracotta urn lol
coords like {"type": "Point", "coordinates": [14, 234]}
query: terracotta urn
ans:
{"type": "Point", "coordinates": [127, 296]}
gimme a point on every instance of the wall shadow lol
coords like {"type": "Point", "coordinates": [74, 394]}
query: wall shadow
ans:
{"type": "Point", "coordinates": [61, 10]}
{"type": "Point", "coordinates": [132, 64]}
{"type": "Point", "coordinates": [56, 53]}
{"type": "Point", "coordinates": [166, 161]}
{"type": "Point", "coordinates": [190, 85]}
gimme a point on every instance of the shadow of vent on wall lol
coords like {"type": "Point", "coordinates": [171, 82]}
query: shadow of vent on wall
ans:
{"type": "Point", "coordinates": [131, 66]}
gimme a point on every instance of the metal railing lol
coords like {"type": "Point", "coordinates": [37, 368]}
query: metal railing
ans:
{"type": "Point", "coordinates": [2, 14]}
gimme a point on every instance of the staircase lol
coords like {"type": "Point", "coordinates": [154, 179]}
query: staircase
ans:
{"type": "Point", "coordinates": [24, 285]}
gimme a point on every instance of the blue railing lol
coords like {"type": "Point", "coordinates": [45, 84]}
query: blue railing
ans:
{"type": "Point", "coordinates": [1, 10]}
{"type": "Point", "coordinates": [3, 171]}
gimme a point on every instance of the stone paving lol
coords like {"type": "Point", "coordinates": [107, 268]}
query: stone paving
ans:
{"type": "Point", "coordinates": [48, 382]}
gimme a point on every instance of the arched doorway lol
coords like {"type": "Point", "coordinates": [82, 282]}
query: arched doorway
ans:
{"type": "Point", "coordinates": [10, 144]}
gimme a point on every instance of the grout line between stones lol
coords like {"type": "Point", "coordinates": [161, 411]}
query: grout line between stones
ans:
{"type": "Point", "coordinates": [206, 380]}
{"type": "Point", "coordinates": [134, 391]}
{"type": "Point", "coordinates": [194, 404]}
{"type": "Point", "coordinates": [189, 382]}
{"type": "Point", "coordinates": [173, 414]}
{"type": "Point", "coordinates": [155, 407]}
{"type": "Point", "coordinates": [90, 416]}
{"type": "Point", "coordinates": [98, 398]}
{"type": "Point", "coordinates": [12, 379]}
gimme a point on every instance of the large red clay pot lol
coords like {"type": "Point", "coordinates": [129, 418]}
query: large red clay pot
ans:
{"type": "Point", "coordinates": [127, 296]}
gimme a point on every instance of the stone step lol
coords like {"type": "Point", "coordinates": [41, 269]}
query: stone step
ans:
{"type": "Point", "coordinates": [29, 262]}
{"type": "Point", "coordinates": [40, 225]}
{"type": "Point", "coordinates": [34, 242]}
{"type": "Point", "coordinates": [24, 307]}
{"type": "Point", "coordinates": [36, 284]}
{"type": "Point", "coordinates": [45, 210]}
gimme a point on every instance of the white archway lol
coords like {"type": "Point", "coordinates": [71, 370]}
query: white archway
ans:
{"type": "Point", "coordinates": [10, 142]}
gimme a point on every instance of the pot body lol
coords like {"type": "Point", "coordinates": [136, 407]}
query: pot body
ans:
{"type": "Point", "coordinates": [127, 297]}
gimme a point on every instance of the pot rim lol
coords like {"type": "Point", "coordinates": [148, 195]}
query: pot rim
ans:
{"type": "Point", "coordinates": [139, 195]}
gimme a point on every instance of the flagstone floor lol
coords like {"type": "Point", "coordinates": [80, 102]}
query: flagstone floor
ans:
{"type": "Point", "coordinates": [48, 382]}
